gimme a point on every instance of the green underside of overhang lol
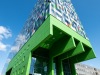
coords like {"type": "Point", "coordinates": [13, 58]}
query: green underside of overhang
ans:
{"type": "Point", "coordinates": [57, 40]}
{"type": "Point", "coordinates": [71, 44]}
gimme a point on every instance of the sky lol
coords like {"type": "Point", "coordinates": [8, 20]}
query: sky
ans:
{"type": "Point", "coordinates": [14, 13]}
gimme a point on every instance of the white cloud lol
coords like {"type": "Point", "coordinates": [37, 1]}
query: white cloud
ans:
{"type": "Point", "coordinates": [3, 46]}
{"type": "Point", "coordinates": [20, 40]}
{"type": "Point", "coordinates": [4, 34]}
{"type": "Point", "coordinates": [15, 48]}
{"type": "Point", "coordinates": [1, 37]}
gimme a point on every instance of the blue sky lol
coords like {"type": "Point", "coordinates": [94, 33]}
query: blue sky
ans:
{"type": "Point", "coordinates": [89, 14]}
{"type": "Point", "coordinates": [13, 14]}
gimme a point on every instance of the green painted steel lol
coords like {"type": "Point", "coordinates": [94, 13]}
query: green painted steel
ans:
{"type": "Point", "coordinates": [59, 41]}
{"type": "Point", "coordinates": [59, 67]}
{"type": "Point", "coordinates": [62, 46]}
{"type": "Point", "coordinates": [50, 67]}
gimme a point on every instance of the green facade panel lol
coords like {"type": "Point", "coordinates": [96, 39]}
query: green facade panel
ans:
{"type": "Point", "coordinates": [55, 41]}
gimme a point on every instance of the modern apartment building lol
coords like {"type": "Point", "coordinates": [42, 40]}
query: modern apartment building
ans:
{"type": "Point", "coordinates": [52, 41]}
{"type": "Point", "coordinates": [82, 69]}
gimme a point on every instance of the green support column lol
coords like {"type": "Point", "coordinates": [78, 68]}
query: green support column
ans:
{"type": "Point", "coordinates": [73, 70]}
{"type": "Point", "coordinates": [59, 67]}
{"type": "Point", "coordinates": [28, 64]}
{"type": "Point", "coordinates": [50, 67]}
{"type": "Point", "coordinates": [72, 66]}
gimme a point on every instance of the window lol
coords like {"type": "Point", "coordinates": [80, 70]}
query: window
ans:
{"type": "Point", "coordinates": [38, 66]}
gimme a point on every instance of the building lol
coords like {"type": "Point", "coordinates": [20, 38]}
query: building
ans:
{"type": "Point", "coordinates": [83, 69]}
{"type": "Point", "coordinates": [53, 40]}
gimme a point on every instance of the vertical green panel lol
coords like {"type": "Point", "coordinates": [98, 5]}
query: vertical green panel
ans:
{"type": "Point", "coordinates": [59, 67]}
{"type": "Point", "coordinates": [28, 64]}
{"type": "Point", "coordinates": [72, 66]}
{"type": "Point", "coordinates": [50, 67]}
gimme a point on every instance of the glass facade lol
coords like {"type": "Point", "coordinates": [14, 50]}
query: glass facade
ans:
{"type": "Point", "coordinates": [55, 71]}
{"type": "Point", "coordinates": [38, 66]}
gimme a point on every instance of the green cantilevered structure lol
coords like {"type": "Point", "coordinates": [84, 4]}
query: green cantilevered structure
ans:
{"type": "Point", "coordinates": [52, 50]}
{"type": "Point", "coordinates": [56, 42]}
